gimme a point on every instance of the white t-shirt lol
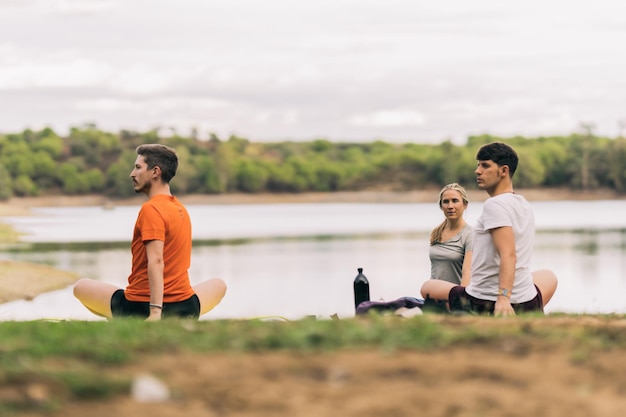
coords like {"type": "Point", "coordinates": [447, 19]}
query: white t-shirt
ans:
{"type": "Point", "coordinates": [512, 210]}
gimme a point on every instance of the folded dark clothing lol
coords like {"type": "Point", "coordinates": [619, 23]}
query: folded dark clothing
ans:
{"type": "Point", "coordinates": [435, 306]}
{"type": "Point", "coordinates": [383, 306]}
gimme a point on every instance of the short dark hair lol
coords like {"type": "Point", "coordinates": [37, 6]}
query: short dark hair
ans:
{"type": "Point", "coordinates": [162, 156]}
{"type": "Point", "coordinates": [501, 154]}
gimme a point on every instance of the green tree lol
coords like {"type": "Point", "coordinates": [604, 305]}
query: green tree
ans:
{"type": "Point", "coordinates": [16, 156]}
{"type": "Point", "coordinates": [71, 179]}
{"type": "Point", "coordinates": [45, 169]}
{"type": "Point", "coordinates": [208, 177]}
{"type": "Point", "coordinates": [6, 184]}
{"type": "Point", "coordinates": [251, 177]}
{"type": "Point", "coordinates": [281, 178]}
{"type": "Point", "coordinates": [49, 143]}
{"type": "Point", "coordinates": [616, 162]}
{"type": "Point", "coordinates": [553, 156]}
{"type": "Point", "coordinates": [95, 180]}
{"type": "Point", "coordinates": [328, 177]}
{"type": "Point", "coordinates": [305, 176]}
{"type": "Point", "coordinates": [118, 182]}
{"type": "Point", "coordinates": [321, 146]}
{"type": "Point", "coordinates": [186, 175]}
{"type": "Point", "coordinates": [225, 160]}
{"type": "Point", "coordinates": [531, 171]}
{"type": "Point", "coordinates": [95, 147]}
{"type": "Point", "coordinates": [23, 186]}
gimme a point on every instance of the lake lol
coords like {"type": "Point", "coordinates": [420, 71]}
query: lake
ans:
{"type": "Point", "coordinates": [296, 260]}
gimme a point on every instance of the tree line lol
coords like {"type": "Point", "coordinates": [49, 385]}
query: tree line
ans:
{"type": "Point", "coordinates": [88, 161]}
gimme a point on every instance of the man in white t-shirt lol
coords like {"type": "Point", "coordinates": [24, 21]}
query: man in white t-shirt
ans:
{"type": "Point", "coordinates": [501, 281]}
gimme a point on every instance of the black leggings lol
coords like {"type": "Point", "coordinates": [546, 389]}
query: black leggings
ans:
{"type": "Point", "coordinates": [121, 307]}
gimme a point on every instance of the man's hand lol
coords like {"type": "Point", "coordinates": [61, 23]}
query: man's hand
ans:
{"type": "Point", "coordinates": [503, 307]}
{"type": "Point", "coordinates": [155, 314]}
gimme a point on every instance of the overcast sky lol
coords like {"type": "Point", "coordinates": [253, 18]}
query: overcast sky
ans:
{"type": "Point", "coordinates": [345, 70]}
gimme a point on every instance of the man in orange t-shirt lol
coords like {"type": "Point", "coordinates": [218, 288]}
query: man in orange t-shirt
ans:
{"type": "Point", "coordinates": [158, 285]}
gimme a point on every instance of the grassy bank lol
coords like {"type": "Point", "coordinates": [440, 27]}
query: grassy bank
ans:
{"type": "Point", "coordinates": [47, 365]}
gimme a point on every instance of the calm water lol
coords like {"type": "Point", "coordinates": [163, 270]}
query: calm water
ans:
{"type": "Point", "coordinates": [294, 260]}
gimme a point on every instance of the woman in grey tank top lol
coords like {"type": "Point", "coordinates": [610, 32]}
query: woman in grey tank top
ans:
{"type": "Point", "coordinates": [451, 242]}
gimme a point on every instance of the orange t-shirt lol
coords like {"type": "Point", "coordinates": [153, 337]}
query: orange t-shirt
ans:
{"type": "Point", "coordinates": [162, 218]}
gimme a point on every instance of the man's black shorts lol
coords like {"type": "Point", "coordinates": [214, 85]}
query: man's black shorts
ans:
{"type": "Point", "coordinates": [121, 307]}
{"type": "Point", "coordinates": [460, 300]}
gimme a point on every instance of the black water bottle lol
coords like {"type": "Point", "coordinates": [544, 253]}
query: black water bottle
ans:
{"type": "Point", "coordinates": [361, 288]}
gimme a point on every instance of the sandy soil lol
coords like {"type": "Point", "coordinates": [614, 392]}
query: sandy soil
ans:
{"type": "Point", "coordinates": [26, 281]}
{"type": "Point", "coordinates": [504, 377]}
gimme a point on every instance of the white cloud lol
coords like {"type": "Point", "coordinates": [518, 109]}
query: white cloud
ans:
{"type": "Point", "coordinates": [54, 73]}
{"type": "Point", "coordinates": [156, 106]}
{"type": "Point", "coordinates": [108, 105]}
{"type": "Point", "coordinates": [392, 118]}
{"type": "Point", "coordinates": [77, 6]}
{"type": "Point", "coordinates": [34, 8]}
{"type": "Point", "coordinates": [400, 69]}
{"type": "Point", "coordinates": [142, 79]}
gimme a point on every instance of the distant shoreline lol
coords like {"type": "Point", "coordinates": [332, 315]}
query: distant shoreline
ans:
{"type": "Point", "coordinates": [20, 206]}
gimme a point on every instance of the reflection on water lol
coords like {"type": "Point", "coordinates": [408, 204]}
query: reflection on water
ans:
{"type": "Point", "coordinates": [291, 278]}
{"type": "Point", "coordinates": [295, 277]}
{"type": "Point", "coordinates": [222, 222]}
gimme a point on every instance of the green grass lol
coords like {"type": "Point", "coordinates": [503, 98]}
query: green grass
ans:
{"type": "Point", "coordinates": [120, 341]}
{"type": "Point", "coordinates": [69, 356]}
{"type": "Point", "coordinates": [8, 235]}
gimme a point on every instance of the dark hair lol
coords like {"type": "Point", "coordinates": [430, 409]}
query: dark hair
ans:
{"type": "Point", "coordinates": [500, 153]}
{"type": "Point", "coordinates": [162, 156]}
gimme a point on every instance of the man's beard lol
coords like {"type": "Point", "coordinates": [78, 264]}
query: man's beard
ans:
{"type": "Point", "coordinates": [143, 189]}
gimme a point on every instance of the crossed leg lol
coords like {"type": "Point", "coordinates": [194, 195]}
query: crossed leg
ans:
{"type": "Point", "coordinates": [96, 295]}
{"type": "Point", "coordinates": [210, 293]}
{"type": "Point", "coordinates": [544, 279]}
{"type": "Point", "coordinates": [437, 289]}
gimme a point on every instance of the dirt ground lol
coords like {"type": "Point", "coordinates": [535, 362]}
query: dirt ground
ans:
{"type": "Point", "coordinates": [527, 377]}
